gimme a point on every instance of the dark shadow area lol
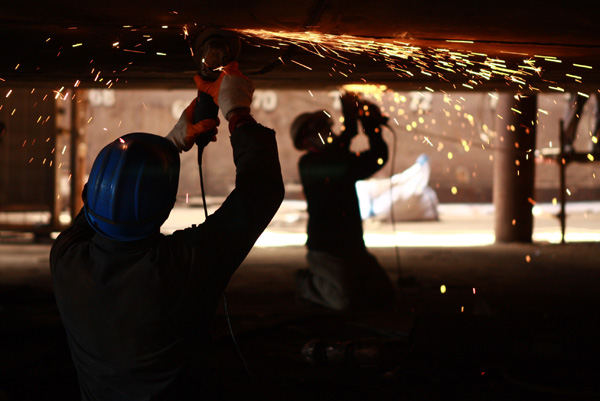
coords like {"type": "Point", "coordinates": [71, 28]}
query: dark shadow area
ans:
{"type": "Point", "coordinates": [503, 329]}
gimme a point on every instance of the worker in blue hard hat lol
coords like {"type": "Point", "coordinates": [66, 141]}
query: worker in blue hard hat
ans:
{"type": "Point", "coordinates": [137, 305]}
{"type": "Point", "coordinates": [341, 273]}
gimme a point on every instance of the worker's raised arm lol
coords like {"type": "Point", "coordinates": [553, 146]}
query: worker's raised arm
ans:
{"type": "Point", "coordinates": [372, 160]}
{"type": "Point", "coordinates": [350, 111]}
{"type": "Point", "coordinates": [234, 228]}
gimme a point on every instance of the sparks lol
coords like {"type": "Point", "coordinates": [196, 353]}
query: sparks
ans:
{"type": "Point", "coordinates": [321, 138]}
{"type": "Point", "coordinates": [589, 67]}
{"type": "Point", "coordinates": [367, 89]}
{"type": "Point", "coordinates": [301, 65]}
{"type": "Point", "coordinates": [396, 54]}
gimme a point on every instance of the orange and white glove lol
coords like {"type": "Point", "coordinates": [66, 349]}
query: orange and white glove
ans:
{"type": "Point", "coordinates": [232, 90]}
{"type": "Point", "coordinates": [185, 132]}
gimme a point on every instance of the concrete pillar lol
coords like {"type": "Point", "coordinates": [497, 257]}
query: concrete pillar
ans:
{"type": "Point", "coordinates": [514, 168]}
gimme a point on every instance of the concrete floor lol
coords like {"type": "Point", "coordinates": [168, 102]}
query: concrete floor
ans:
{"type": "Point", "coordinates": [516, 322]}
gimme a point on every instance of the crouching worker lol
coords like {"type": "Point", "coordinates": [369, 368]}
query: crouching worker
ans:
{"type": "Point", "coordinates": [137, 305]}
{"type": "Point", "coordinates": [341, 273]}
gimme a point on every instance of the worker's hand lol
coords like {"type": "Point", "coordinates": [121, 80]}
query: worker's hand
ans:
{"type": "Point", "coordinates": [185, 132]}
{"type": "Point", "coordinates": [350, 104]}
{"type": "Point", "coordinates": [230, 91]}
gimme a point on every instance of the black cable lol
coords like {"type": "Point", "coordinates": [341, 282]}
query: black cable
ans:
{"type": "Point", "coordinates": [392, 215]}
{"type": "Point", "coordinates": [226, 307]}
{"type": "Point", "coordinates": [200, 149]}
{"type": "Point", "coordinates": [401, 281]}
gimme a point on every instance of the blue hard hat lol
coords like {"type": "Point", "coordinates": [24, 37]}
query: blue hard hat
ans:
{"type": "Point", "coordinates": [132, 186]}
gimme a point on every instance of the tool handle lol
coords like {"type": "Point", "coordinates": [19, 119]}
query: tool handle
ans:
{"type": "Point", "coordinates": [205, 108]}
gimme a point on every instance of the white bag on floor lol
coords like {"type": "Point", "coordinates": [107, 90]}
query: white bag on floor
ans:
{"type": "Point", "coordinates": [408, 191]}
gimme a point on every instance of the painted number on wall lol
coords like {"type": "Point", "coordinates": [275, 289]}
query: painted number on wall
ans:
{"type": "Point", "coordinates": [264, 100]}
{"type": "Point", "coordinates": [101, 97]}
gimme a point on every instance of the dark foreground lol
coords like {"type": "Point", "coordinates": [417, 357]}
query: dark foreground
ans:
{"type": "Point", "coordinates": [517, 322]}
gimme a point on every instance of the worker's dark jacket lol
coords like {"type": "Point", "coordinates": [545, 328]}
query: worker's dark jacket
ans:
{"type": "Point", "coordinates": [138, 314]}
{"type": "Point", "coordinates": [329, 178]}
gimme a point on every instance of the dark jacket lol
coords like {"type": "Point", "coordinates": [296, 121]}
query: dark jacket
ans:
{"type": "Point", "coordinates": [328, 179]}
{"type": "Point", "coordinates": [138, 314]}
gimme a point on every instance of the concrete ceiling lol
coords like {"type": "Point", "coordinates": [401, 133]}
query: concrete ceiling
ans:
{"type": "Point", "coordinates": [508, 45]}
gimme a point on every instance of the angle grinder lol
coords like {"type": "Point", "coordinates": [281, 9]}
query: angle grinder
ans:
{"type": "Point", "coordinates": [213, 49]}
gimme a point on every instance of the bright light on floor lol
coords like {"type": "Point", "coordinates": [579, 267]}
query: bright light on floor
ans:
{"type": "Point", "coordinates": [554, 237]}
{"type": "Point", "coordinates": [273, 238]}
{"type": "Point", "coordinates": [412, 239]}
{"type": "Point", "coordinates": [459, 225]}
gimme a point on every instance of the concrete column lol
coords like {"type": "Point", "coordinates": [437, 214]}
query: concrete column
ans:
{"type": "Point", "coordinates": [514, 168]}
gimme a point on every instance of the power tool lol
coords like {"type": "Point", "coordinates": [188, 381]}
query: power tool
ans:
{"type": "Point", "coordinates": [213, 49]}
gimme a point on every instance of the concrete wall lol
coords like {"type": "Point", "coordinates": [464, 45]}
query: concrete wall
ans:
{"type": "Point", "coordinates": [27, 150]}
{"type": "Point", "coordinates": [456, 130]}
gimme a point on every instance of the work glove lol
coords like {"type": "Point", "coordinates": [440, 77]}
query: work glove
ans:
{"type": "Point", "coordinates": [230, 91]}
{"type": "Point", "coordinates": [350, 105]}
{"type": "Point", "coordinates": [185, 132]}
